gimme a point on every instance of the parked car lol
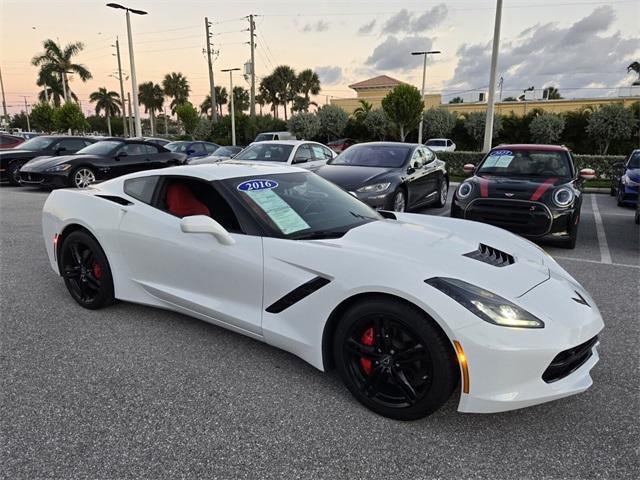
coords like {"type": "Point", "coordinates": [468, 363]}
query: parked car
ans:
{"type": "Point", "coordinates": [308, 155]}
{"type": "Point", "coordinates": [45, 145]}
{"type": "Point", "coordinates": [390, 176]}
{"type": "Point", "coordinates": [222, 153]}
{"type": "Point", "coordinates": [97, 162]}
{"type": "Point", "coordinates": [626, 180]}
{"type": "Point", "coordinates": [9, 141]}
{"type": "Point", "coordinates": [29, 135]}
{"type": "Point", "coordinates": [192, 149]}
{"type": "Point", "coordinates": [341, 145]}
{"type": "Point", "coordinates": [441, 144]}
{"type": "Point", "coordinates": [267, 136]}
{"type": "Point", "coordinates": [157, 140]}
{"type": "Point", "coordinates": [406, 307]}
{"type": "Point", "coordinates": [531, 190]}
{"type": "Point", "coordinates": [637, 216]}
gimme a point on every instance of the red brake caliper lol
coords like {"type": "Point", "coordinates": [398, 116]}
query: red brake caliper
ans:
{"type": "Point", "coordinates": [367, 339]}
{"type": "Point", "coordinates": [97, 271]}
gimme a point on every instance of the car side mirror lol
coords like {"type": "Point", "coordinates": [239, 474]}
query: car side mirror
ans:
{"type": "Point", "coordinates": [300, 160]}
{"type": "Point", "coordinates": [587, 174]}
{"type": "Point", "coordinates": [410, 170]}
{"type": "Point", "coordinates": [190, 152]}
{"type": "Point", "coordinates": [122, 154]}
{"type": "Point", "coordinates": [469, 168]}
{"type": "Point", "coordinates": [204, 224]}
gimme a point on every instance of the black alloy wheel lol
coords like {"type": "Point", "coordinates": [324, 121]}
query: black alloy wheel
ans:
{"type": "Point", "coordinates": [443, 193]}
{"type": "Point", "coordinates": [86, 271]}
{"type": "Point", "coordinates": [14, 173]}
{"type": "Point", "coordinates": [394, 360]}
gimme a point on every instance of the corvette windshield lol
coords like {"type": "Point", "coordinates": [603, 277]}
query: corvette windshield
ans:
{"type": "Point", "coordinates": [100, 148]}
{"type": "Point", "coordinates": [266, 152]}
{"type": "Point", "coordinates": [530, 163]}
{"type": "Point", "coordinates": [385, 156]}
{"type": "Point", "coordinates": [301, 205]}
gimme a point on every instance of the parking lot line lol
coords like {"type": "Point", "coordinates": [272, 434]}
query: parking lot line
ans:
{"type": "Point", "coordinates": [605, 254]}
{"type": "Point", "coordinates": [584, 260]}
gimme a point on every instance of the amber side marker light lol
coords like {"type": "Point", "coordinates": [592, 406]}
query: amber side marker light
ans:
{"type": "Point", "coordinates": [462, 360]}
{"type": "Point", "coordinates": [56, 237]}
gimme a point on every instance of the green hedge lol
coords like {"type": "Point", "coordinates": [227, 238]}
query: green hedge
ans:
{"type": "Point", "coordinates": [602, 164]}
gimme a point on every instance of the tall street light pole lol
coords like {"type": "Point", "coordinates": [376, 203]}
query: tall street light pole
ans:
{"type": "Point", "coordinates": [424, 81]}
{"type": "Point", "coordinates": [134, 82]}
{"type": "Point", "coordinates": [124, 114]}
{"type": "Point", "coordinates": [232, 112]}
{"type": "Point", "coordinates": [488, 125]}
{"type": "Point", "coordinates": [4, 102]}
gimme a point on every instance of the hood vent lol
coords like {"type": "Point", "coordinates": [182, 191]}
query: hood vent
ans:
{"type": "Point", "coordinates": [491, 255]}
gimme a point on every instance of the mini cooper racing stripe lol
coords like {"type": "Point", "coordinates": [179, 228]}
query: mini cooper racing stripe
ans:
{"type": "Point", "coordinates": [548, 183]}
{"type": "Point", "coordinates": [484, 187]}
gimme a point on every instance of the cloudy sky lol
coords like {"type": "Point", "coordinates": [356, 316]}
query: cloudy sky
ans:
{"type": "Point", "coordinates": [580, 46]}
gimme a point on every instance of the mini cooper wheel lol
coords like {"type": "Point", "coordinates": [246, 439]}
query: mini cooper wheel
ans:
{"type": "Point", "coordinates": [399, 203]}
{"type": "Point", "coordinates": [86, 271]}
{"type": "Point", "coordinates": [82, 177]}
{"type": "Point", "coordinates": [14, 173]}
{"type": "Point", "coordinates": [394, 360]}
{"type": "Point", "coordinates": [443, 193]}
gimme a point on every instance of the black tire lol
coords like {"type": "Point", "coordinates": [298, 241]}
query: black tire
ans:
{"type": "Point", "coordinates": [409, 383]}
{"type": "Point", "coordinates": [85, 172]}
{"type": "Point", "coordinates": [612, 191]}
{"type": "Point", "coordinates": [395, 201]}
{"type": "Point", "coordinates": [442, 184]}
{"type": "Point", "coordinates": [570, 241]}
{"type": "Point", "coordinates": [620, 197]}
{"type": "Point", "coordinates": [86, 272]}
{"type": "Point", "coordinates": [13, 174]}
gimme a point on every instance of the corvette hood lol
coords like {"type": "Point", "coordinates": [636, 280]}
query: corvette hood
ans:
{"type": "Point", "coordinates": [436, 246]}
{"type": "Point", "coordinates": [40, 164]}
{"type": "Point", "coordinates": [351, 178]}
{"type": "Point", "coordinates": [521, 188]}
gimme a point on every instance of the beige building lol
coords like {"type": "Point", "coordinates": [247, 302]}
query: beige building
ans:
{"type": "Point", "coordinates": [375, 89]}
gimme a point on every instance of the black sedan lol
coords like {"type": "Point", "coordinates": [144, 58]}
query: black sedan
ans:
{"type": "Point", "coordinates": [389, 175]}
{"type": "Point", "coordinates": [531, 190]}
{"type": "Point", "coordinates": [45, 145]}
{"type": "Point", "coordinates": [97, 162]}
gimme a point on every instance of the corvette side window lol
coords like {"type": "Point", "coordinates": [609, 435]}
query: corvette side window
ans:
{"type": "Point", "coordinates": [141, 188]}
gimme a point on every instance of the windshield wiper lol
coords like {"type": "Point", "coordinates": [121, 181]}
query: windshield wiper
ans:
{"type": "Point", "coordinates": [359, 215]}
{"type": "Point", "coordinates": [320, 234]}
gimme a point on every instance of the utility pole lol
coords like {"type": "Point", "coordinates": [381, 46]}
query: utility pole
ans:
{"type": "Point", "coordinates": [424, 81]}
{"type": "Point", "coordinates": [130, 117]}
{"type": "Point", "coordinates": [26, 111]}
{"type": "Point", "coordinates": [124, 114]}
{"type": "Point", "coordinates": [488, 126]}
{"type": "Point", "coordinates": [252, 27]}
{"type": "Point", "coordinates": [214, 108]}
{"type": "Point", "coordinates": [166, 122]}
{"type": "Point", "coordinates": [232, 111]}
{"type": "Point", "coordinates": [4, 101]}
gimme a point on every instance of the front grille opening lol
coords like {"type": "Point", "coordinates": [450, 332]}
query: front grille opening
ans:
{"type": "Point", "coordinates": [568, 361]}
{"type": "Point", "coordinates": [492, 256]}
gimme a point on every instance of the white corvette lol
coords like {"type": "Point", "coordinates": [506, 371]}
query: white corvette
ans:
{"type": "Point", "coordinates": [405, 306]}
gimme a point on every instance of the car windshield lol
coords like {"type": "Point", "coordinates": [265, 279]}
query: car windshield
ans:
{"type": "Point", "coordinates": [104, 147]}
{"type": "Point", "coordinates": [530, 163]}
{"type": "Point", "coordinates": [266, 152]}
{"type": "Point", "coordinates": [226, 151]}
{"type": "Point", "coordinates": [436, 143]}
{"type": "Point", "coordinates": [264, 137]}
{"type": "Point", "coordinates": [301, 205]}
{"type": "Point", "coordinates": [37, 143]}
{"type": "Point", "coordinates": [180, 147]}
{"type": "Point", "coordinates": [634, 161]}
{"type": "Point", "coordinates": [385, 156]}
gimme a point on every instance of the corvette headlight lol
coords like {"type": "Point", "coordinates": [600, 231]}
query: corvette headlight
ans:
{"type": "Point", "coordinates": [488, 306]}
{"type": "Point", "coordinates": [465, 189]}
{"type": "Point", "coordinates": [563, 197]}
{"type": "Point", "coordinates": [59, 168]}
{"type": "Point", "coordinates": [375, 188]}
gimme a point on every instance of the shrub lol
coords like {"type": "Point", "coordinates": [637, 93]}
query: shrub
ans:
{"type": "Point", "coordinates": [546, 128]}
{"type": "Point", "coordinates": [438, 123]}
{"type": "Point", "coordinates": [304, 125]}
{"type": "Point", "coordinates": [333, 121]}
{"type": "Point", "coordinates": [403, 106]}
{"type": "Point", "coordinates": [70, 117]}
{"type": "Point", "coordinates": [377, 124]}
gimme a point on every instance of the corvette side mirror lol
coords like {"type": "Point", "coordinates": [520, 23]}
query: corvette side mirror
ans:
{"type": "Point", "coordinates": [469, 168]}
{"type": "Point", "coordinates": [204, 224]}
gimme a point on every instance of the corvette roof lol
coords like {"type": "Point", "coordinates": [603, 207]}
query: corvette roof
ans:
{"type": "Point", "coordinates": [222, 170]}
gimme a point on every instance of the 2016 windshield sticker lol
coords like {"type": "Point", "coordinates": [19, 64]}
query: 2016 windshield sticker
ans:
{"type": "Point", "coordinates": [257, 184]}
{"type": "Point", "coordinates": [499, 159]}
{"type": "Point", "coordinates": [501, 153]}
{"type": "Point", "coordinates": [279, 211]}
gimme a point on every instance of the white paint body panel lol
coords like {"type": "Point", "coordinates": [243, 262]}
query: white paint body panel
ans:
{"type": "Point", "coordinates": [154, 263]}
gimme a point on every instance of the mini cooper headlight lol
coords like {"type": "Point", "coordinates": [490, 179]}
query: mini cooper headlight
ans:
{"type": "Point", "coordinates": [488, 306]}
{"type": "Point", "coordinates": [465, 189]}
{"type": "Point", "coordinates": [375, 188]}
{"type": "Point", "coordinates": [563, 197]}
{"type": "Point", "coordinates": [59, 168]}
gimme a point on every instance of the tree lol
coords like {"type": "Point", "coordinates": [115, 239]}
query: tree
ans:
{"type": "Point", "coordinates": [19, 120]}
{"type": "Point", "coordinates": [286, 85]}
{"type": "Point", "coordinates": [456, 100]}
{"type": "Point", "coordinates": [176, 86]}
{"type": "Point", "coordinates": [634, 67]}
{"type": "Point", "coordinates": [304, 125]}
{"type": "Point", "coordinates": [69, 117]}
{"type": "Point", "coordinates": [42, 117]}
{"type": "Point", "coordinates": [438, 123]}
{"type": "Point", "coordinates": [508, 99]}
{"type": "Point", "coordinates": [361, 112]}
{"type": "Point", "coordinates": [377, 124]}
{"type": "Point", "coordinates": [107, 102]}
{"type": "Point", "coordinates": [403, 106]}
{"type": "Point", "coordinates": [269, 91]}
{"type": "Point", "coordinates": [610, 123]}
{"type": "Point", "coordinates": [204, 129]}
{"type": "Point", "coordinates": [307, 83]}
{"type": "Point", "coordinates": [57, 60]}
{"type": "Point", "coordinates": [260, 101]}
{"type": "Point", "coordinates": [300, 104]}
{"type": "Point", "coordinates": [547, 128]}
{"type": "Point", "coordinates": [475, 123]}
{"type": "Point", "coordinates": [53, 86]}
{"type": "Point", "coordinates": [222, 97]}
{"type": "Point", "coordinates": [551, 93]}
{"type": "Point", "coordinates": [188, 116]}
{"type": "Point", "coordinates": [152, 97]}
{"type": "Point", "coordinates": [333, 121]}
{"type": "Point", "coordinates": [241, 100]}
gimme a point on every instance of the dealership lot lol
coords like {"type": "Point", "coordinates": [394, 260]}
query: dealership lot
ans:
{"type": "Point", "coordinates": [132, 391]}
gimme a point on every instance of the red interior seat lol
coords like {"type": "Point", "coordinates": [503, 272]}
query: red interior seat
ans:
{"type": "Point", "coordinates": [182, 203]}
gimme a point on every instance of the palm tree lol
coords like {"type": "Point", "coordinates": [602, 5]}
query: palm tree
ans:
{"type": "Point", "coordinates": [551, 93]}
{"type": "Point", "coordinates": [58, 60]}
{"type": "Point", "coordinates": [361, 112]}
{"type": "Point", "coordinates": [308, 83]}
{"type": "Point", "coordinates": [240, 99]}
{"type": "Point", "coordinates": [109, 102]}
{"type": "Point", "coordinates": [152, 97]}
{"type": "Point", "coordinates": [634, 67]}
{"type": "Point", "coordinates": [269, 92]}
{"type": "Point", "coordinates": [177, 87]}
{"type": "Point", "coordinates": [222, 97]}
{"type": "Point", "coordinates": [286, 85]}
{"type": "Point", "coordinates": [52, 88]}
{"type": "Point", "coordinates": [260, 101]}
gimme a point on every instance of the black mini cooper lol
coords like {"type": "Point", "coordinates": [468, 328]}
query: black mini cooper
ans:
{"type": "Point", "coordinates": [531, 190]}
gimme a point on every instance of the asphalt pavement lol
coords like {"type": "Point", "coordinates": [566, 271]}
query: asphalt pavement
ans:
{"type": "Point", "coordinates": [136, 392]}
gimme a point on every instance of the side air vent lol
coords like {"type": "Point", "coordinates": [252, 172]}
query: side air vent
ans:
{"type": "Point", "coordinates": [113, 198]}
{"type": "Point", "coordinates": [491, 255]}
